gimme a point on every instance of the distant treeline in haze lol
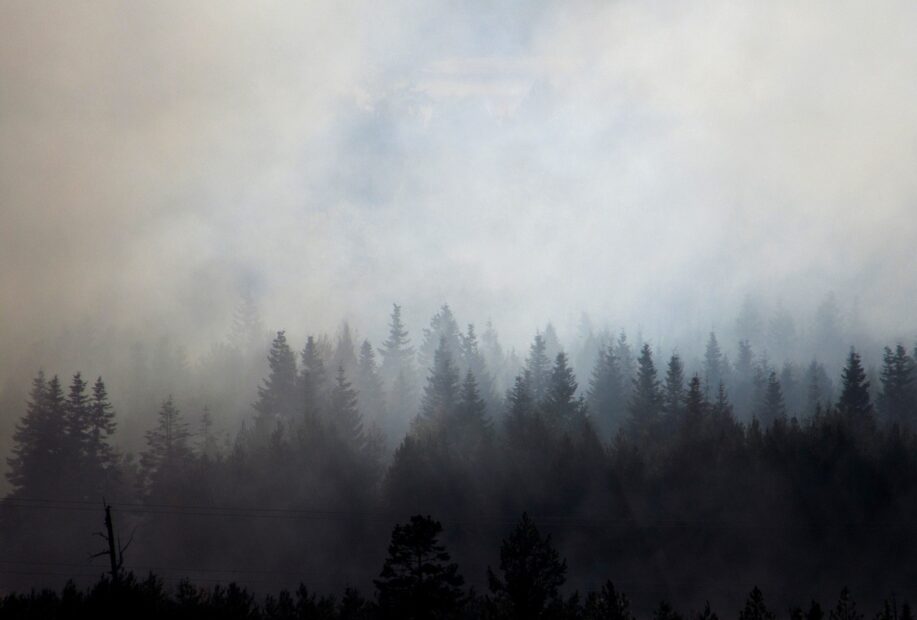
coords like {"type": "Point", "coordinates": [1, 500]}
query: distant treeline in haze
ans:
{"type": "Point", "coordinates": [687, 481]}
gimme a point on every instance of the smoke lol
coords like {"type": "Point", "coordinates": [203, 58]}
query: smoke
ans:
{"type": "Point", "coordinates": [651, 163]}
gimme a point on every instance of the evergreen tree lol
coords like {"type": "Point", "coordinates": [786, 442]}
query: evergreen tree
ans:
{"type": "Point", "coordinates": [345, 414]}
{"type": "Point", "coordinates": [277, 398]}
{"type": "Point", "coordinates": [99, 451]}
{"type": "Point", "coordinates": [674, 392]}
{"type": "Point", "coordinates": [521, 412]}
{"type": "Point", "coordinates": [561, 407]}
{"type": "Point", "coordinates": [474, 362]}
{"type": "Point", "coordinates": [607, 604]}
{"type": "Point", "coordinates": [532, 573]}
{"type": "Point", "coordinates": [344, 354]}
{"type": "Point", "coordinates": [397, 352]}
{"type": "Point", "coordinates": [606, 398]}
{"type": "Point", "coordinates": [538, 367]}
{"type": "Point", "coordinates": [646, 399]}
{"type": "Point", "coordinates": [313, 381]}
{"type": "Point", "coordinates": [755, 609]}
{"type": "Point", "coordinates": [846, 608]}
{"type": "Point", "coordinates": [695, 408]}
{"type": "Point", "coordinates": [625, 357]}
{"type": "Point", "coordinates": [369, 385]}
{"type": "Point", "coordinates": [665, 612]}
{"type": "Point", "coordinates": [472, 426]}
{"type": "Point", "coordinates": [206, 441]}
{"type": "Point", "coordinates": [898, 398]}
{"type": "Point", "coordinates": [76, 423]}
{"type": "Point", "coordinates": [714, 367]}
{"type": "Point", "coordinates": [818, 387]}
{"type": "Point", "coordinates": [418, 579]}
{"type": "Point", "coordinates": [37, 461]}
{"type": "Point", "coordinates": [854, 402]}
{"type": "Point", "coordinates": [167, 444]}
{"type": "Point", "coordinates": [247, 328]}
{"type": "Point", "coordinates": [772, 405]}
{"type": "Point", "coordinates": [441, 394]}
{"type": "Point", "coordinates": [443, 329]}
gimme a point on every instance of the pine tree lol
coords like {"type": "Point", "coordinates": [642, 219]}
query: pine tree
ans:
{"type": "Point", "coordinates": [818, 386]}
{"type": "Point", "coordinates": [441, 394]}
{"type": "Point", "coordinates": [646, 399]}
{"type": "Point", "coordinates": [443, 329]}
{"type": "Point", "coordinates": [538, 367]}
{"type": "Point", "coordinates": [247, 328]}
{"type": "Point", "coordinates": [369, 385]}
{"type": "Point", "coordinates": [313, 382]}
{"type": "Point", "coordinates": [472, 428]}
{"type": "Point", "coordinates": [207, 443]}
{"type": "Point", "coordinates": [898, 398]}
{"type": "Point", "coordinates": [561, 407]}
{"type": "Point", "coordinates": [608, 604]}
{"type": "Point", "coordinates": [755, 609]}
{"type": "Point", "coordinates": [168, 446]}
{"type": "Point", "coordinates": [474, 361]}
{"type": "Point", "coordinates": [674, 391]}
{"type": "Point", "coordinates": [606, 399]}
{"type": "Point", "coordinates": [772, 406]}
{"type": "Point", "coordinates": [36, 464]}
{"type": "Point", "coordinates": [418, 579]}
{"type": "Point", "coordinates": [713, 364]}
{"type": "Point", "coordinates": [520, 412]}
{"type": "Point", "coordinates": [854, 402]}
{"type": "Point", "coordinates": [397, 353]}
{"type": "Point", "coordinates": [344, 354]}
{"type": "Point", "coordinates": [277, 398]}
{"type": "Point", "coordinates": [99, 451]}
{"type": "Point", "coordinates": [695, 408]}
{"type": "Point", "coordinates": [532, 573]}
{"type": "Point", "coordinates": [345, 414]}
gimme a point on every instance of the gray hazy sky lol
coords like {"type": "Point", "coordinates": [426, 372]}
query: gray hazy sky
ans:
{"type": "Point", "coordinates": [649, 162]}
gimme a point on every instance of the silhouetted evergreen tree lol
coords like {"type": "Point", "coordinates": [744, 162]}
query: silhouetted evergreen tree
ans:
{"type": "Point", "coordinates": [855, 402]}
{"type": "Point", "coordinates": [38, 441]}
{"type": "Point", "coordinates": [441, 394]}
{"type": "Point", "coordinates": [277, 396]}
{"type": "Point", "coordinates": [755, 609]}
{"type": "Point", "coordinates": [531, 573]}
{"type": "Point", "coordinates": [168, 448]}
{"type": "Point", "coordinates": [674, 391]}
{"type": "Point", "coordinates": [771, 406]}
{"type": "Point", "coordinates": [898, 399]}
{"type": "Point", "coordinates": [312, 382]}
{"type": "Point", "coordinates": [472, 429]}
{"type": "Point", "coordinates": [370, 388]}
{"type": "Point", "coordinates": [714, 366]}
{"type": "Point", "coordinates": [538, 367]}
{"type": "Point", "coordinates": [344, 413]}
{"type": "Point", "coordinates": [646, 398]}
{"type": "Point", "coordinates": [443, 329]}
{"type": "Point", "coordinates": [561, 407]}
{"type": "Point", "coordinates": [606, 398]}
{"type": "Point", "coordinates": [418, 579]}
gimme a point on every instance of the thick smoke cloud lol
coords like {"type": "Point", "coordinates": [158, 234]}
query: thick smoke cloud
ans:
{"type": "Point", "coordinates": [650, 163]}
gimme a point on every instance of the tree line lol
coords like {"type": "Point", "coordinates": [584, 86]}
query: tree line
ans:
{"type": "Point", "coordinates": [646, 475]}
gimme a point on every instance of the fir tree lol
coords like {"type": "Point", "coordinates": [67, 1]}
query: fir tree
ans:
{"type": "Point", "coordinates": [474, 362]}
{"type": "Point", "coordinates": [443, 329]}
{"type": "Point", "coordinates": [397, 353]}
{"type": "Point", "coordinates": [531, 573]}
{"type": "Point", "coordinates": [646, 399]}
{"type": "Point", "coordinates": [167, 444]}
{"type": "Point", "coordinates": [472, 426]}
{"type": "Point", "coordinates": [345, 414]}
{"type": "Point", "coordinates": [369, 385]}
{"type": "Point", "coordinates": [898, 397]}
{"type": "Point", "coordinates": [561, 407]}
{"type": "Point", "coordinates": [674, 391]}
{"type": "Point", "coordinates": [606, 399]}
{"type": "Point", "coordinates": [418, 579]}
{"type": "Point", "coordinates": [854, 402]}
{"type": "Point", "coordinates": [538, 367]}
{"type": "Point", "coordinates": [37, 442]}
{"type": "Point", "coordinates": [313, 381]}
{"type": "Point", "coordinates": [441, 394]}
{"type": "Point", "coordinates": [772, 405]}
{"type": "Point", "coordinates": [755, 609]}
{"type": "Point", "coordinates": [277, 398]}
{"type": "Point", "coordinates": [714, 368]}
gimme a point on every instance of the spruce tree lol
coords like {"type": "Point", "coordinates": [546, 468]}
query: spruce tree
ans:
{"type": "Point", "coordinates": [277, 397]}
{"type": "Point", "coordinates": [99, 451]}
{"type": "Point", "coordinates": [771, 406]}
{"type": "Point", "coordinates": [714, 367]}
{"type": "Point", "coordinates": [561, 407]}
{"type": "Point", "coordinates": [441, 394]}
{"type": "Point", "coordinates": [646, 398]}
{"type": "Point", "coordinates": [168, 446]}
{"type": "Point", "coordinates": [419, 581]}
{"type": "Point", "coordinates": [755, 608]}
{"type": "Point", "coordinates": [538, 367]}
{"type": "Point", "coordinates": [471, 426]}
{"type": "Point", "coordinates": [345, 413]}
{"type": "Point", "coordinates": [674, 391]}
{"type": "Point", "coordinates": [854, 402]}
{"type": "Point", "coordinates": [37, 442]}
{"type": "Point", "coordinates": [606, 399]}
{"type": "Point", "coordinates": [369, 385]}
{"type": "Point", "coordinates": [397, 353]}
{"type": "Point", "coordinates": [313, 382]}
{"type": "Point", "coordinates": [474, 361]}
{"type": "Point", "coordinates": [443, 329]}
{"type": "Point", "coordinates": [695, 408]}
{"type": "Point", "coordinates": [531, 573]}
{"type": "Point", "coordinates": [898, 398]}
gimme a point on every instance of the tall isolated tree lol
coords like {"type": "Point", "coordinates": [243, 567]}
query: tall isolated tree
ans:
{"type": "Point", "coordinates": [419, 581]}
{"type": "Point", "coordinates": [531, 573]}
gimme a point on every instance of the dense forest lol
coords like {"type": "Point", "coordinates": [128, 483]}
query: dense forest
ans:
{"type": "Point", "coordinates": [512, 482]}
